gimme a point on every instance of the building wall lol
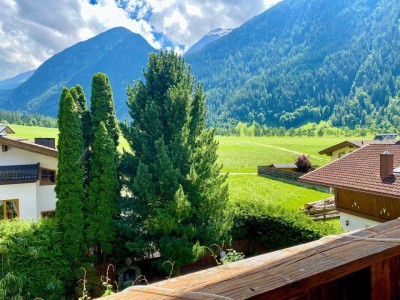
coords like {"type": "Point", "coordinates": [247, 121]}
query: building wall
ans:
{"type": "Point", "coordinates": [26, 194]}
{"type": "Point", "coordinates": [346, 150]}
{"type": "Point", "coordinates": [349, 222]}
{"type": "Point", "coordinates": [374, 207]}
{"type": "Point", "coordinates": [43, 196]}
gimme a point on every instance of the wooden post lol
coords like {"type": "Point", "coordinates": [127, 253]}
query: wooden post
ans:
{"type": "Point", "coordinates": [380, 280]}
{"type": "Point", "coordinates": [394, 277]}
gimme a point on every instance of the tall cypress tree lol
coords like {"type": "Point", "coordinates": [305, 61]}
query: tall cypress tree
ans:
{"type": "Point", "coordinates": [178, 199]}
{"type": "Point", "coordinates": [102, 191]}
{"type": "Point", "coordinates": [80, 100]}
{"type": "Point", "coordinates": [102, 106]}
{"type": "Point", "coordinates": [70, 176]}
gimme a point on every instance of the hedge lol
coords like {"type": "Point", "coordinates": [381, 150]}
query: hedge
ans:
{"type": "Point", "coordinates": [33, 251]}
{"type": "Point", "coordinates": [275, 227]}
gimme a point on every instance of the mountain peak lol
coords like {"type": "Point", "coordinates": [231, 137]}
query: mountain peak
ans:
{"type": "Point", "coordinates": [208, 38]}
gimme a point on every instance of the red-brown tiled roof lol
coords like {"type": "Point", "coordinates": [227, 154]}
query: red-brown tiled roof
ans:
{"type": "Point", "coordinates": [360, 171]}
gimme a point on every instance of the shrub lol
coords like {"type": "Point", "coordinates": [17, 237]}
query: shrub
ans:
{"type": "Point", "coordinates": [303, 164]}
{"type": "Point", "coordinates": [33, 250]}
{"type": "Point", "coordinates": [275, 227]}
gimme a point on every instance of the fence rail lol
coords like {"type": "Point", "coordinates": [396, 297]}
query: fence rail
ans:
{"type": "Point", "coordinates": [289, 177]}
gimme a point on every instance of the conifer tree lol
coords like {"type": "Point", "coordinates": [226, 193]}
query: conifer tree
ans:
{"type": "Point", "coordinates": [70, 175]}
{"type": "Point", "coordinates": [102, 191]}
{"type": "Point", "coordinates": [86, 119]}
{"type": "Point", "coordinates": [178, 199]}
{"type": "Point", "coordinates": [102, 106]}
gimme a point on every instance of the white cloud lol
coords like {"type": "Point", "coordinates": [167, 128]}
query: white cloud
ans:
{"type": "Point", "coordinates": [32, 31]}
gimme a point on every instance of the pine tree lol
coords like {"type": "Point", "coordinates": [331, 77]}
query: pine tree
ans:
{"type": "Point", "coordinates": [102, 191]}
{"type": "Point", "coordinates": [70, 176]}
{"type": "Point", "coordinates": [178, 199]}
{"type": "Point", "coordinates": [102, 106]}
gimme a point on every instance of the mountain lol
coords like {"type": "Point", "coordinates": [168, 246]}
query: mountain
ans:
{"type": "Point", "coordinates": [305, 60]}
{"type": "Point", "coordinates": [11, 83]}
{"type": "Point", "coordinates": [118, 52]}
{"type": "Point", "coordinates": [208, 38]}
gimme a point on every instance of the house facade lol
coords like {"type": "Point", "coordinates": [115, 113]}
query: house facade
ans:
{"type": "Point", "coordinates": [366, 184]}
{"type": "Point", "coordinates": [27, 178]}
{"type": "Point", "coordinates": [346, 147]}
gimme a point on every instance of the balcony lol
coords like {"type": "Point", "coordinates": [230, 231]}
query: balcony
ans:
{"type": "Point", "coordinates": [19, 173]}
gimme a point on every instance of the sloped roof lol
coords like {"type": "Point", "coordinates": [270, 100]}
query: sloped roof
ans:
{"type": "Point", "coordinates": [24, 144]}
{"type": "Point", "coordinates": [5, 129]}
{"type": "Point", "coordinates": [19, 173]}
{"type": "Point", "coordinates": [360, 171]}
{"type": "Point", "coordinates": [354, 144]}
{"type": "Point", "coordinates": [283, 166]}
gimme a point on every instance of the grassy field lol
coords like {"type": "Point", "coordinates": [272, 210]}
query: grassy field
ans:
{"type": "Point", "coordinates": [30, 132]}
{"type": "Point", "coordinates": [244, 154]}
{"type": "Point", "coordinates": [248, 187]}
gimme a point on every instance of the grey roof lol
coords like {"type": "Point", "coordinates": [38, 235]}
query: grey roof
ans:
{"type": "Point", "coordinates": [284, 166]}
{"type": "Point", "coordinates": [18, 173]}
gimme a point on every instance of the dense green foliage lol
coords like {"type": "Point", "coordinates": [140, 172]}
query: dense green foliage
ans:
{"type": "Point", "coordinates": [306, 61]}
{"type": "Point", "coordinates": [70, 179]}
{"type": "Point", "coordinates": [101, 192]}
{"type": "Point", "coordinates": [19, 118]}
{"type": "Point", "coordinates": [32, 259]}
{"type": "Point", "coordinates": [117, 52]}
{"type": "Point", "coordinates": [275, 227]}
{"type": "Point", "coordinates": [102, 106]}
{"type": "Point", "coordinates": [178, 200]}
{"type": "Point", "coordinates": [86, 119]}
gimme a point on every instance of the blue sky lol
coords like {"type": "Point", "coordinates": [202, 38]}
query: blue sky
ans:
{"type": "Point", "coordinates": [33, 31]}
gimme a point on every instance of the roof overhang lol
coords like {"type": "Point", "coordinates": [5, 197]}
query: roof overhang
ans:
{"type": "Point", "coordinates": [330, 150]}
{"type": "Point", "coordinates": [28, 146]}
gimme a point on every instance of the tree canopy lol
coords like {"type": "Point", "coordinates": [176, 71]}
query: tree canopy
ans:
{"type": "Point", "coordinates": [176, 200]}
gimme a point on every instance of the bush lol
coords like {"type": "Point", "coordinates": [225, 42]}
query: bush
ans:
{"type": "Point", "coordinates": [33, 251]}
{"type": "Point", "coordinates": [275, 227]}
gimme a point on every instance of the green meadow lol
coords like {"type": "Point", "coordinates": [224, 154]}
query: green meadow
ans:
{"type": "Point", "coordinates": [31, 132]}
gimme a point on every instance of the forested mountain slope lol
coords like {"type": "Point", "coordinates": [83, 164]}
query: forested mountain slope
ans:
{"type": "Point", "coordinates": [117, 52]}
{"type": "Point", "coordinates": [307, 60]}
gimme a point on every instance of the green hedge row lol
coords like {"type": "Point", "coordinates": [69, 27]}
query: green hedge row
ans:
{"type": "Point", "coordinates": [33, 251]}
{"type": "Point", "coordinates": [275, 227]}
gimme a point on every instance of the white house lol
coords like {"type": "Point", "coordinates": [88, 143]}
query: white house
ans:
{"type": "Point", "coordinates": [27, 177]}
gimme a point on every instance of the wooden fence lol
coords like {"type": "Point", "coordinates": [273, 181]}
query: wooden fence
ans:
{"type": "Point", "coordinates": [289, 177]}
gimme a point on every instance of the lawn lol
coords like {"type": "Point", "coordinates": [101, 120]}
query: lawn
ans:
{"type": "Point", "coordinates": [244, 154]}
{"type": "Point", "coordinates": [248, 187]}
{"type": "Point", "coordinates": [30, 132]}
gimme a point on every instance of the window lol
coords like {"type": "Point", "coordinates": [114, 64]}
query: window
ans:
{"type": "Point", "coordinates": [9, 209]}
{"type": "Point", "coordinates": [47, 176]}
{"type": "Point", "coordinates": [341, 154]}
{"type": "Point", "coordinates": [50, 214]}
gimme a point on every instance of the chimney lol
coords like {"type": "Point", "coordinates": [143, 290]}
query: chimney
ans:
{"type": "Point", "coordinates": [386, 164]}
{"type": "Point", "coordinates": [48, 142]}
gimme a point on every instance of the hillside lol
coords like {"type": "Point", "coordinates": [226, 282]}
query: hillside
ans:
{"type": "Point", "coordinates": [305, 61]}
{"type": "Point", "coordinates": [117, 52]}
{"type": "Point", "coordinates": [11, 83]}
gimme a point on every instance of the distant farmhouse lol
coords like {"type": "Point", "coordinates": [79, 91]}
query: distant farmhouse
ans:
{"type": "Point", "coordinates": [27, 177]}
{"type": "Point", "coordinates": [366, 183]}
{"type": "Point", "coordinates": [346, 147]}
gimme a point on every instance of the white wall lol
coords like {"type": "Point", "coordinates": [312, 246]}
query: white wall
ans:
{"type": "Point", "coordinates": [355, 222]}
{"type": "Point", "coordinates": [43, 196]}
{"type": "Point", "coordinates": [26, 194]}
{"type": "Point", "coordinates": [346, 150]}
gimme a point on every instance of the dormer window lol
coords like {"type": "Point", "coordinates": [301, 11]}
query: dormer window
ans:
{"type": "Point", "coordinates": [47, 176]}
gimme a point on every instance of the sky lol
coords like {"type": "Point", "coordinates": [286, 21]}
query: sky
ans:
{"type": "Point", "coordinates": [31, 31]}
